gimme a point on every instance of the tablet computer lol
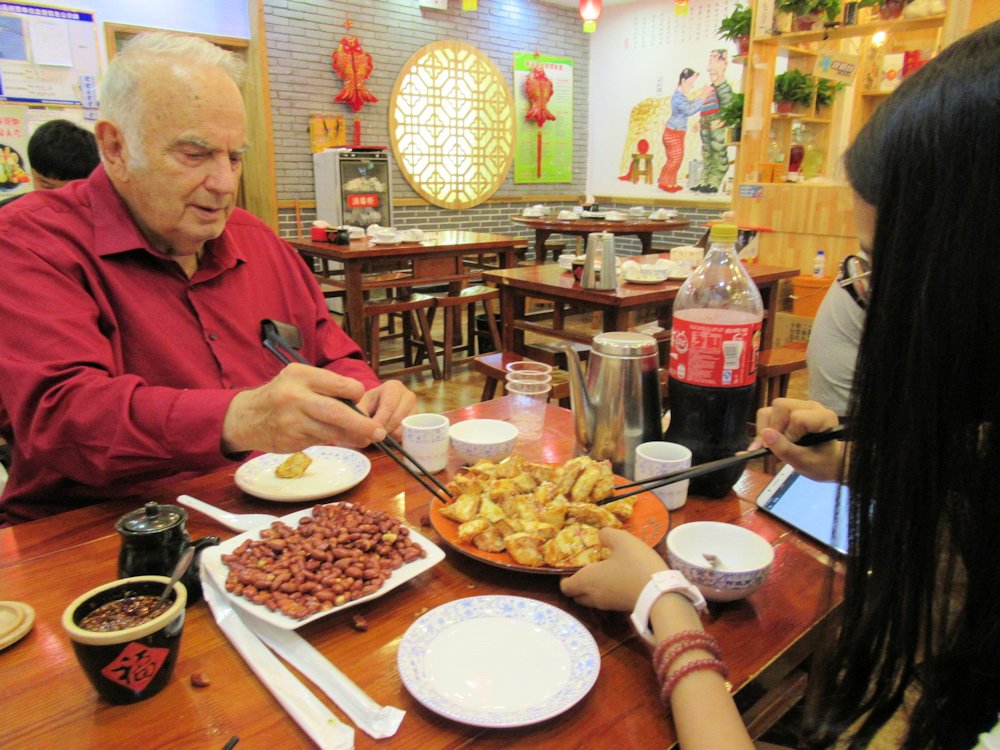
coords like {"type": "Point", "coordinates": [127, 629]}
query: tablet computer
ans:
{"type": "Point", "coordinates": [809, 506]}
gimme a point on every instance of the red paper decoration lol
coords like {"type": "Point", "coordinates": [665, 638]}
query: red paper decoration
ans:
{"type": "Point", "coordinates": [538, 87]}
{"type": "Point", "coordinates": [354, 66]}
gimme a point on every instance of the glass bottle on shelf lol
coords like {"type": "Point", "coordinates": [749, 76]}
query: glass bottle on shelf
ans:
{"type": "Point", "coordinates": [775, 153]}
{"type": "Point", "coordinates": [812, 159]}
{"type": "Point", "coordinates": [796, 153]}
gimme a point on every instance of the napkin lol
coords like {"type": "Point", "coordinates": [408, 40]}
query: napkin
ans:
{"type": "Point", "coordinates": [316, 720]}
{"type": "Point", "coordinates": [375, 720]}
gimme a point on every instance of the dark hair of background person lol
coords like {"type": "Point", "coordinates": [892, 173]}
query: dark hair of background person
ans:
{"type": "Point", "coordinates": [61, 150]}
{"type": "Point", "coordinates": [922, 599]}
{"type": "Point", "coordinates": [685, 74]}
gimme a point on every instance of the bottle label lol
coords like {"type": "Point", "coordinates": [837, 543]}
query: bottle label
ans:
{"type": "Point", "coordinates": [715, 353]}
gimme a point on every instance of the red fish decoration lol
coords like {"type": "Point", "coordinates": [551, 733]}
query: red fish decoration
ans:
{"type": "Point", "coordinates": [354, 66]}
{"type": "Point", "coordinates": [538, 87]}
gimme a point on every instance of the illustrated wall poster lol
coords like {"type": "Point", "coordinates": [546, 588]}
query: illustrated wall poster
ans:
{"type": "Point", "coordinates": [655, 131]}
{"type": "Point", "coordinates": [48, 55]}
{"type": "Point", "coordinates": [15, 175]}
{"type": "Point", "coordinates": [544, 146]}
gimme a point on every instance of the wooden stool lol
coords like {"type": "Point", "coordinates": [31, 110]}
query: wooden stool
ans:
{"type": "Point", "coordinates": [774, 370]}
{"type": "Point", "coordinates": [414, 311]}
{"type": "Point", "coordinates": [451, 309]}
{"type": "Point", "coordinates": [556, 246]}
{"type": "Point", "coordinates": [642, 166]}
{"type": "Point", "coordinates": [494, 368]}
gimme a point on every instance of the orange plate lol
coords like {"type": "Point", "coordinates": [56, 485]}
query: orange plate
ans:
{"type": "Point", "coordinates": [649, 522]}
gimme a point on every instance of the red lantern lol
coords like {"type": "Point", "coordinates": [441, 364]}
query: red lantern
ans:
{"type": "Point", "coordinates": [590, 11]}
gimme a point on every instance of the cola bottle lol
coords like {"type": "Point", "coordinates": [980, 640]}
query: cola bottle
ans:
{"type": "Point", "coordinates": [714, 345]}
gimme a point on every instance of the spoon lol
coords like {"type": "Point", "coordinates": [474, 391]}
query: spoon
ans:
{"type": "Point", "coordinates": [179, 569]}
{"type": "Point", "coordinates": [234, 521]}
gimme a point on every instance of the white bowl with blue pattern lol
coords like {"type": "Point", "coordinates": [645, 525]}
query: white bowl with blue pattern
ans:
{"type": "Point", "coordinates": [482, 439]}
{"type": "Point", "coordinates": [742, 558]}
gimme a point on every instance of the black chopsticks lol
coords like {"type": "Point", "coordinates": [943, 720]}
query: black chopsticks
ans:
{"type": "Point", "coordinates": [275, 343]}
{"type": "Point", "coordinates": [652, 483]}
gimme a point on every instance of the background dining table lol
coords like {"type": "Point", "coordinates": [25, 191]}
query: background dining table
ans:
{"type": "Point", "coordinates": [352, 270]}
{"type": "Point", "coordinates": [643, 228]}
{"type": "Point", "coordinates": [47, 701]}
{"type": "Point", "coordinates": [553, 283]}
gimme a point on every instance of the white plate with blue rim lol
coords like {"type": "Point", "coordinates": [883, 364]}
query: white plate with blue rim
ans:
{"type": "Point", "coordinates": [550, 664]}
{"type": "Point", "coordinates": [332, 471]}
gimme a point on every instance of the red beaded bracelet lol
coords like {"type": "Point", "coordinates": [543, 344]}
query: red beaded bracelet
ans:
{"type": "Point", "coordinates": [668, 658]}
{"type": "Point", "coordinates": [715, 665]}
{"type": "Point", "coordinates": [709, 643]}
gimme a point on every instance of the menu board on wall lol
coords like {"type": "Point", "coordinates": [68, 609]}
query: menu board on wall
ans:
{"type": "Point", "coordinates": [48, 55]}
{"type": "Point", "coordinates": [544, 147]}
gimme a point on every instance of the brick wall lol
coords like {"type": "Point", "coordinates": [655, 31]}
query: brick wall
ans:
{"type": "Point", "coordinates": [302, 34]}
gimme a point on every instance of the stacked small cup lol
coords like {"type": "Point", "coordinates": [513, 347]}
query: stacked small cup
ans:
{"type": "Point", "coordinates": [528, 384]}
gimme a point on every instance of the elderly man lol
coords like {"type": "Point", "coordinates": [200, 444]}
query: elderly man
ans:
{"type": "Point", "coordinates": [131, 305]}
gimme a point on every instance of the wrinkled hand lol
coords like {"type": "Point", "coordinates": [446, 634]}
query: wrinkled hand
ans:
{"type": "Point", "coordinates": [298, 408]}
{"type": "Point", "coordinates": [389, 404]}
{"type": "Point", "coordinates": [786, 421]}
{"type": "Point", "coordinates": [615, 583]}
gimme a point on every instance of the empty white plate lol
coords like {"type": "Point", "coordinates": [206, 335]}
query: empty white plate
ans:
{"type": "Point", "coordinates": [448, 661]}
{"type": "Point", "coordinates": [333, 470]}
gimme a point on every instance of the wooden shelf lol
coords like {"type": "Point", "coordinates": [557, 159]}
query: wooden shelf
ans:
{"type": "Point", "coordinates": [793, 38]}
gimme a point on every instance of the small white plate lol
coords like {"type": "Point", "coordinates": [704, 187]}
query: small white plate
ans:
{"type": "Point", "coordinates": [212, 565]}
{"type": "Point", "coordinates": [333, 470]}
{"type": "Point", "coordinates": [448, 660]}
{"type": "Point", "coordinates": [645, 280]}
{"type": "Point", "coordinates": [377, 241]}
{"type": "Point", "coordinates": [616, 218]}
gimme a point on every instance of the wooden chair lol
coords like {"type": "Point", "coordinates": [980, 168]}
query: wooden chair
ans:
{"type": "Point", "coordinates": [414, 310]}
{"type": "Point", "coordinates": [494, 368]}
{"type": "Point", "coordinates": [451, 308]}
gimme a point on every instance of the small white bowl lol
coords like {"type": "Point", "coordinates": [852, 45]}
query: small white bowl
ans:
{"type": "Point", "coordinates": [744, 558]}
{"type": "Point", "coordinates": [477, 439]}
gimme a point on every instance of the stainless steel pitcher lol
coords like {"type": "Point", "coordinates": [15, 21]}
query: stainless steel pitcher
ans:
{"type": "Point", "coordinates": [617, 407]}
{"type": "Point", "coordinates": [600, 250]}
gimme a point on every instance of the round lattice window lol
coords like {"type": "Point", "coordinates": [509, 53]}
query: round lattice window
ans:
{"type": "Point", "coordinates": [452, 124]}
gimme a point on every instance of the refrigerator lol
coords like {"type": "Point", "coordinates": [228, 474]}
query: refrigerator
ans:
{"type": "Point", "coordinates": [353, 187]}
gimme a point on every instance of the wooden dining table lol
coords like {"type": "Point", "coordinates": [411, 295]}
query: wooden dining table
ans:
{"type": "Point", "coordinates": [644, 229]}
{"type": "Point", "coordinates": [47, 702]}
{"type": "Point", "coordinates": [353, 269]}
{"type": "Point", "coordinates": [553, 283]}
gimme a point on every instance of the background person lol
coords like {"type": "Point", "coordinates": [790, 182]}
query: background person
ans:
{"type": "Point", "coordinates": [917, 655]}
{"type": "Point", "coordinates": [60, 151]}
{"type": "Point", "coordinates": [130, 350]}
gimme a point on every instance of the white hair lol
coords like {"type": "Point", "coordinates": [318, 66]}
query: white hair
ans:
{"type": "Point", "coordinates": [122, 100]}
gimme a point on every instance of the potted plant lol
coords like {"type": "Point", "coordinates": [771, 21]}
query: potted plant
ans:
{"type": "Point", "coordinates": [826, 90]}
{"type": "Point", "coordinates": [808, 12]}
{"type": "Point", "coordinates": [792, 88]}
{"type": "Point", "coordinates": [736, 27]}
{"type": "Point", "coordinates": [732, 117]}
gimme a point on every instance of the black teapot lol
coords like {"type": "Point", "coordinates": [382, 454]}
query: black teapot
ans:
{"type": "Point", "coordinates": [153, 538]}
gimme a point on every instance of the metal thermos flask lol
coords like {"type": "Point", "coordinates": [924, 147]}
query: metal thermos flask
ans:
{"type": "Point", "coordinates": [600, 249]}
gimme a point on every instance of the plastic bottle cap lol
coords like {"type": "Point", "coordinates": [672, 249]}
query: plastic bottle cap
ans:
{"type": "Point", "coordinates": [723, 233]}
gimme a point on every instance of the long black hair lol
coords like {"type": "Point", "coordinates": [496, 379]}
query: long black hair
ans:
{"type": "Point", "coordinates": [922, 599]}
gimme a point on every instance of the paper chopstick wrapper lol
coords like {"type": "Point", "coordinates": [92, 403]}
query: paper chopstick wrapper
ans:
{"type": "Point", "coordinates": [315, 719]}
{"type": "Point", "coordinates": [375, 720]}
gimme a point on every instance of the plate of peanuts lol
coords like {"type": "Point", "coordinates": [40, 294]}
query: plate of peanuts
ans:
{"type": "Point", "coordinates": [316, 561]}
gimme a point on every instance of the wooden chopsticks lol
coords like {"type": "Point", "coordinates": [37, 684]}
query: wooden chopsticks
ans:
{"type": "Point", "coordinates": [652, 483]}
{"type": "Point", "coordinates": [275, 343]}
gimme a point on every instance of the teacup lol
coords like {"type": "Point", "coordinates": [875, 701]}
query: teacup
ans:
{"type": "Point", "coordinates": [636, 211]}
{"type": "Point", "coordinates": [412, 235]}
{"type": "Point", "coordinates": [567, 215]}
{"type": "Point", "coordinates": [533, 213]}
